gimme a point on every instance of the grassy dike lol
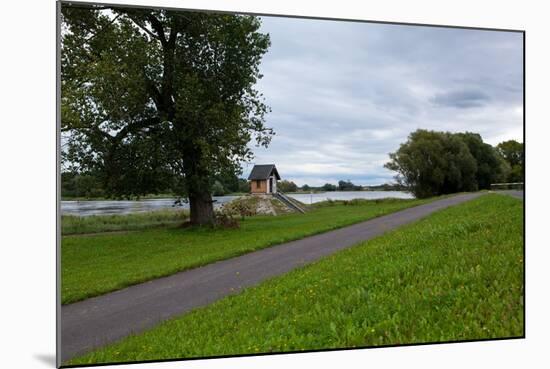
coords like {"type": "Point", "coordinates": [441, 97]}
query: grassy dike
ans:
{"type": "Point", "coordinates": [92, 265]}
{"type": "Point", "coordinates": [455, 275]}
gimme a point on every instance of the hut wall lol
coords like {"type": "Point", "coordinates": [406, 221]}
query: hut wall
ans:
{"type": "Point", "coordinates": [262, 188]}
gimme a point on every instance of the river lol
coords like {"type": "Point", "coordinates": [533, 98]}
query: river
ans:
{"type": "Point", "coordinates": [107, 207]}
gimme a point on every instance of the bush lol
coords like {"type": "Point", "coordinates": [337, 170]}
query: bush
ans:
{"type": "Point", "coordinates": [243, 207]}
{"type": "Point", "coordinates": [224, 220]}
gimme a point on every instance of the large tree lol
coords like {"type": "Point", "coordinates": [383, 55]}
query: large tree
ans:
{"type": "Point", "coordinates": [152, 98]}
{"type": "Point", "coordinates": [434, 163]}
{"type": "Point", "coordinates": [514, 154]}
{"type": "Point", "coordinates": [491, 168]}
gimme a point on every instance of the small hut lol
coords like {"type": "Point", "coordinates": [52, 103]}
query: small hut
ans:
{"type": "Point", "coordinates": [263, 179]}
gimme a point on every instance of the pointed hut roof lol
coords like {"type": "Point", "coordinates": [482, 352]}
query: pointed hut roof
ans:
{"type": "Point", "coordinates": [263, 171]}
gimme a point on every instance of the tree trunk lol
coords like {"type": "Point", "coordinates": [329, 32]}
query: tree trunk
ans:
{"type": "Point", "coordinates": [201, 207]}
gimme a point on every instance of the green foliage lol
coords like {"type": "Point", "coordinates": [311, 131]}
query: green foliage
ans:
{"type": "Point", "coordinates": [229, 183]}
{"type": "Point", "coordinates": [434, 163]}
{"type": "Point", "coordinates": [513, 153]}
{"type": "Point", "coordinates": [226, 221]}
{"type": "Point", "coordinates": [287, 186]}
{"type": "Point", "coordinates": [455, 275]}
{"type": "Point", "coordinates": [161, 98]}
{"type": "Point", "coordinates": [218, 189]}
{"type": "Point", "coordinates": [80, 185]}
{"type": "Point", "coordinates": [244, 186]}
{"type": "Point", "coordinates": [387, 187]}
{"type": "Point", "coordinates": [96, 264]}
{"type": "Point", "coordinates": [490, 168]}
{"type": "Point", "coordinates": [329, 187]}
{"type": "Point", "coordinates": [516, 174]}
{"type": "Point", "coordinates": [242, 207]}
{"type": "Point", "coordinates": [347, 186]}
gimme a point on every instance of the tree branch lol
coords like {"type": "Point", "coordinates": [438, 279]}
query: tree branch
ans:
{"type": "Point", "coordinates": [173, 33]}
{"type": "Point", "coordinates": [102, 29]}
{"type": "Point", "coordinates": [157, 26]}
{"type": "Point", "coordinates": [154, 91]}
{"type": "Point", "coordinates": [133, 127]}
{"type": "Point", "coordinates": [137, 23]}
{"type": "Point", "coordinates": [129, 128]}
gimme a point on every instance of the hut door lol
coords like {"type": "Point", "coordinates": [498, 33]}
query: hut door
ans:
{"type": "Point", "coordinates": [270, 187]}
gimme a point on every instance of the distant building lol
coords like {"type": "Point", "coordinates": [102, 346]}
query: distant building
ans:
{"type": "Point", "coordinates": [263, 179]}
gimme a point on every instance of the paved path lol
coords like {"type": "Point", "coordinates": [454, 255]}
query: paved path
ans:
{"type": "Point", "coordinates": [104, 319]}
{"type": "Point", "coordinates": [514, 193]}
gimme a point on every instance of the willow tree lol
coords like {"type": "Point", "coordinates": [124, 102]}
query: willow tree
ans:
{"type": "Point", "coordinates": [432, 163]}
{"type": "Point", "coordinates": [157, 98]}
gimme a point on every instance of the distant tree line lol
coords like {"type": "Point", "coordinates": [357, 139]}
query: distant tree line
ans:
{"type": "Point", "coordinates": [90, 185]}
{"type": "Point", "coordinates": [287, 186]}
{"type": "Point", "coordinates": [432, 163]}
{"type": "Point", "coordinates": [229, 183]}
{"type": "Point", "coordinates": [81, 185]}
{"type": "Point", "coordinates": [343, 185]}
{"type": "Point", "coordinates": [329, 187]}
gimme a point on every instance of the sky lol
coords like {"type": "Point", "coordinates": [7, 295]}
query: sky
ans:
{"type": "Point", "coordinates": [345, 94]}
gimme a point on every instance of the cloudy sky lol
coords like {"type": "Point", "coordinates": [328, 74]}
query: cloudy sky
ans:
{"type": "Point", "coordinates": [345, 94]}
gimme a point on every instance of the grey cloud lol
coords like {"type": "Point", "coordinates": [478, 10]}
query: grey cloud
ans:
{"type": "Point", "coordinates": [461, 99]}
{"type": "Point", "coordinates": [343, 95]}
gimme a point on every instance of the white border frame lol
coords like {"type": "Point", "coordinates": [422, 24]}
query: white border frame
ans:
{"type": "Point", "coordinates": [28, 162]}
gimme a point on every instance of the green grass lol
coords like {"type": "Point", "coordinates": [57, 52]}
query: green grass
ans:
{"type": "Point", "coordinates": [71, 224]}
{"type": "Point", "coordinates": [96, 264]}
{"type": "Point", "coordinates": [455, 275]}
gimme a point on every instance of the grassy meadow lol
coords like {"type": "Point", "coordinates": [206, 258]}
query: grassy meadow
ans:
{"type": "Point", "coordinates": [71, 224]}
{"type": "Point", "coordinates": [99, 263]}
{"type": "Point", "coordinates": [455, 275]}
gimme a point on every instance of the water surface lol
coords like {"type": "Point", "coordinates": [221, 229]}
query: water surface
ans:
{"type": "Point", "coordinates": [349, 195]}
{"type": "Point", "coordinates": [107, 207]}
